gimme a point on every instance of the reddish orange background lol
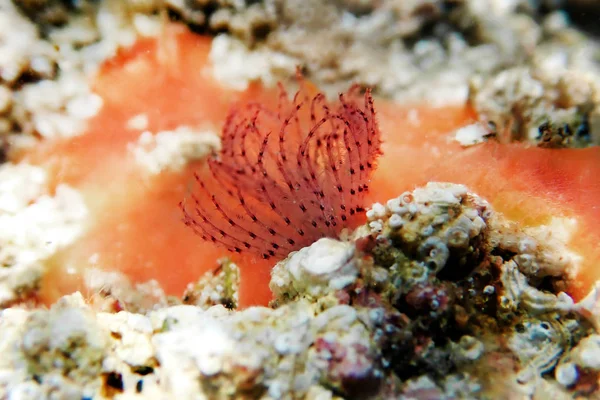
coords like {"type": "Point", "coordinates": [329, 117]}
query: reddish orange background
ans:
{"type": "Point", "coordinates": [135, 224]}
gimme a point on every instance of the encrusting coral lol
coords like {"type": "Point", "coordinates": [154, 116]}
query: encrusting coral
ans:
{"type": "Point", "coordinates": [432, 298]}
{"type": "Point", "coordinates": [285, 178]}
{"type": "Point", "coordinates": [423, 299]}
{"type": "Point", "coordinates": [540, 182]}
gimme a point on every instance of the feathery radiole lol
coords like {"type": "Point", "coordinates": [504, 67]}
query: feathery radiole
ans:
{"type": "Point", "coordinates": [286, 178]}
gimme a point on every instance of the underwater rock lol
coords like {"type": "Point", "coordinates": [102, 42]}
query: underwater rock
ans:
{"type": "Point", "coordinates": [325, 266]}
{"type": "Point", "coordinates": [423, 299]}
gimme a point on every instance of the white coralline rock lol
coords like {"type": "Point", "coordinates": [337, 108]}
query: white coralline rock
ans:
{"type": "Point", "coordinates": [589, 306]}
{"type": "Point", "coordinates": [123, 294]}
{"type": "Point", "coordinates": [471, 135]}
{"type": "Point", "coordinates": [12, 363]}
{"type": "Point", "coordinates": [63, 346]}
{"type": "Point", "coordinates": [566, 374]}
{"type": "Point", "coordinates": [376, 211]}
{"type": "Point", "coordinates": [59, 108]}
{"type": "Point", "coordinates": [34, 225]}
{"type": "Point", "coordinates": [138, 122]}
{"type": "Point", "coordinates": [47, 72]}
{"type": "Point", "coordinates": [20, 46]}
{"type": "Point", "coordinates": [195, 345]}
{"type": "Point", "coordinates": [325, 266]}
{"type": "Point", "coordinates": [438, 220]}
{"type": "Point", "coordinates": [518, 293]}
{"type": "Point", "coordinates": [555, 256]}
{"type": "Point", "coordinates": [470, 348]}
{"type": "Point", "coordinates": [539, 344]}
{"type": "Point", "coordinates": [587, 353]}
{"type": "Point", "coordinates": [134, 346]}
{"type": "Point", "coordinates": [218, 348]}
{"type": "Point", "coordinates": [172, 150]}
{"type": "Point", "coordinates": [209, 351]}
{"type": "Point", "coordinates": [235, 65]}
{"type": "Point", "coordinates": [20, 184]}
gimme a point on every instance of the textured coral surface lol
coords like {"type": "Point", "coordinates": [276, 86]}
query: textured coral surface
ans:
{"type": "Point", "coordinates": [472, 272]}
{"type": "Point", "coordinates": [530, 185]}
{"type": "Point", "coordinates": [436, 296]}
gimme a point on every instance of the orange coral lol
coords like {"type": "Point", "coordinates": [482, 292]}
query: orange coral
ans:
{"type": "Point", "coordinates": [136, 227]}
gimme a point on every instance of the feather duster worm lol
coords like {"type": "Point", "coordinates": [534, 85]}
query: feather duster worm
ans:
{"type": "Point", "coordinates": [286, 178]}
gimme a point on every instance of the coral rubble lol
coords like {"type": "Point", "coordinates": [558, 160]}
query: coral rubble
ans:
{"type": "Point", "coordinates": [437, 295]}
{"type": "Point", "coordinates": [35, 224]}
{"type": "Point", "coordinates": [433, 296]}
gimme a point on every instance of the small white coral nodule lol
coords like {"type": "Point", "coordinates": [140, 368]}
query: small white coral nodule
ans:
{"type": "Point", "coordinates": [322, 267]}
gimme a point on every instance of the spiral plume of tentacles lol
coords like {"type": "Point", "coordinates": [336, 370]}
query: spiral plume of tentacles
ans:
{"type": "Point", "coordinates": [286, 178]}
